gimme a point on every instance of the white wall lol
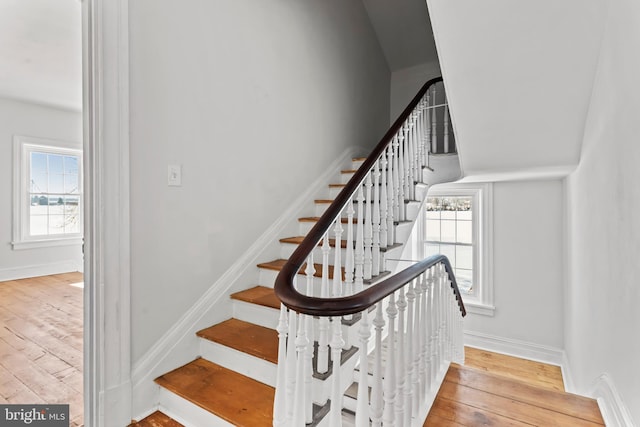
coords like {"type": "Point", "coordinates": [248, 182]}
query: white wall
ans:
{"type": "Point", "coordinates": [253, 99]}
{"type": "Point", "coordinates": [405, 83]}
{"type": "Point", "coordinates": [27, 119]}
{"type": "Point", "coordinates": [524, 69]}
{"type": "Point", "coordinates": [527, 265]}
{"type": "Point", "coordinates": [603, 293]}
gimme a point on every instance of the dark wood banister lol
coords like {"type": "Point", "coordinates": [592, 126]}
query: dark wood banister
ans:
{"type": "Point", "coordinates": [358, 302]}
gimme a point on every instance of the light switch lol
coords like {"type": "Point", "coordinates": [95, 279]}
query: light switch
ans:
{"type": "Point", "coordinates": [174, 178]}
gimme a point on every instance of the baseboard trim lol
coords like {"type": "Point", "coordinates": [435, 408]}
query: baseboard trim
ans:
{"type": "Point", "coordinates": [614, 411]}
{"type": "Point", "coordinates": [513, 347]}
{"type": "Point", "coordinates": [171, 344]}
{"type": "Point", "coordinates": [23, 272]}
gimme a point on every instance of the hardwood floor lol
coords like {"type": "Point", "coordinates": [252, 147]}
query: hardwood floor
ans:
{"type": "Point", "coordinates": [41, 342]}
{"type": "Point", "coordinates": [497, 390]}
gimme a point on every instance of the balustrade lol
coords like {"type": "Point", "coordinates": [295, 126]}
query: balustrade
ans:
{"type": "Point", "coordinates": [416, 328]}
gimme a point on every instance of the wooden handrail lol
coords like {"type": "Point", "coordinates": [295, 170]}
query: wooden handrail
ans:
{"type": "Point", "coordinates": [339, 306]}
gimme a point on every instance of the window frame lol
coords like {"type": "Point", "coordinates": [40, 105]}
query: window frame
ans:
{"type": "Point", "coordinates": [481, 300]}
{"type": "Point", "coordinates": [23, 146]}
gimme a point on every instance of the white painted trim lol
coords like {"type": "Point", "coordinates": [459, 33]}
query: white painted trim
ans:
{"type": "Point", "coordinates": [517, 348]}
{"type": "Point", "coordinates": [187, 413]}
{"type": "Point", "coordinates": [567, 376]}
{"type": "Point", "coordinates": [107, 325]}
{"type": "Point", "coordinates": [478, 308]}
{"type": "Point", "coordinates": [147, 367]}
{"type": "Point", "coordinates": [48, 243]}
{"type": "Point", "coordinates": [36, 270]}
{"type": "Point", "coordinates": [614, 411]}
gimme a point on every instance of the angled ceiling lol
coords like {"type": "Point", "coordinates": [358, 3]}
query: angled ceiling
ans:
{"type": "Point", "coordinates": [404, 31]}
{"type": "Point", "coordinates": [41, 52]}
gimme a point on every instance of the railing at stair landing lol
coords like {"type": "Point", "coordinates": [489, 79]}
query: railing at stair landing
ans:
{"type": "Point", "coordinates": [417, 313]}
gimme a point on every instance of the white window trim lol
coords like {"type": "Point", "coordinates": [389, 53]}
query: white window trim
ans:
{"type": "Point", "coordinates": [482, 301]}
{"type": "Point", "coordinates": [21, 146]}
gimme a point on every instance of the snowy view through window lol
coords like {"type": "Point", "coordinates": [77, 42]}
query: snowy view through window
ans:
{"type": "Point", "coordinates": [54, 194]}
{"type": "Point", "coordinates": [449, 232]}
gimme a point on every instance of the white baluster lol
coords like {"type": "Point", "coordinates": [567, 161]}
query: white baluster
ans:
{"type": "Point", "coordinates": [280, 399]}
{"type": "Point", "coordinates": [401, 362]}
{"type": "Point", "coordinates": [362, 406]}
{"type": "Point", "coordinates": [368, 230]}
{"type": "Point", "coordinates": [384, 205]}
{"type": "Point", "coordinates": [323, 328]}
{"type": "Point", "coordinates": [423, 366]}
{"type": "Point", "coordinates": [400, 194]}
{"type": "Point", "coordinates": [390, 197]}
{"type": "Point", "coordinates": [299, 405]}
{"type": "Point", "coordinates": [434, 125]}
{"type": "Point", "coordinates": [335, 414]}
{"type": "Point", "coordinates": [376, 389]}
{"type": "Point", "coordinates": [433, 324]}
{"type": "Point", "coordinates": [408, 386]}
{"type": "Point", "coordinates": [407, 165]}
{"type": "Point", "coordinates": [375, 256]}
{"type": "Point", "coordinates": [396, 178]}
{"type": "Point", "coordinates": [446, 129]}
{"type": "Point", "coordinates": [409, 157]}
{"type": "Point", "coordinates": [291, 364]}
{"type": "Point", "coordinates": [389, 394]}
{"type": "Point", "coordinates": [414, 301]}
{"type": "Point", "coordinates": [337, 262]}
{"type": "Point", "coordinates": [308, 355]}
{"type": "Point", "coordinates": [427, 114]}
{"type": "Point", "coordinates": [349, 264]}
{"type": "Point", "coordinates": [359, 249]}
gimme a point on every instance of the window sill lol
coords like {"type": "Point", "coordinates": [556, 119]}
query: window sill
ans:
{"type": "Point", "coordinates": [479, 308]}
{"type": "Point", "coordinates": [46, 243]}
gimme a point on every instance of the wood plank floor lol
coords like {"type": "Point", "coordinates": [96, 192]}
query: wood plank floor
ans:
{"type": "Point", "coordinates": [497, 390]}
{"type": "Point", "coordinates": [41, 342]}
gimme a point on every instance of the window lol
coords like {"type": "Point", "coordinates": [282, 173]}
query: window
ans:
{"type": "Point", "coordinates": [47, 193]}
{"type": "Point", "coordinates": [458, 225]}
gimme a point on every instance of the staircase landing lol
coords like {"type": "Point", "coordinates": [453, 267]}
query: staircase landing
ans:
{"type": "Point", "coordinates": [497, 390]}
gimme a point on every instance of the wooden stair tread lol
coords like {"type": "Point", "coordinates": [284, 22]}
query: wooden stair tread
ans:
{"type": "Point", "coordinates": [277, 265]}
{"type": "Point", "coordinates": [471, 396]}
{"type": "Point", "coordinates": [238, 399]}
{"type": "Point", "coordinates": [337, 185]}
{"type": "Point", "coordinates": [156, 419]}
{"type": "Point", "coordinates": [296, 240]}
{"type": "Point", "coordinates": [246, 337]}
{"type": "Point", "coordinates": [260, 295]}
{"type": "Point", "coordinates": [348, 171]}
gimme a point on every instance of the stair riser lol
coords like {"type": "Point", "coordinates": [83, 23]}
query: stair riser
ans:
{"type": "Point", "coordinates": [257, 314]}
{"type": "Point", "coordinates": [243, 363]}
{"type": "Point", "coordinates": [187, 413]}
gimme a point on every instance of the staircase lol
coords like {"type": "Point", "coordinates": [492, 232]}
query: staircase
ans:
{"type": "Point", "coordinates": [241, 360]}
{"type": "Point", "coordinates": [232, 381]}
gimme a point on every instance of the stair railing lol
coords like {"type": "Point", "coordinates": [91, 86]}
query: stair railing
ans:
{"type": "Point", "coordinates": [421, 303]}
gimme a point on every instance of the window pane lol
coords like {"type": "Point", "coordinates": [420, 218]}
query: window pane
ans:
{"type": "Point", "coordinates": [39, 209]}
{"type": "Point", "coordinates": [464, 279]}
{"type": "Point", "coordinates": [55, 208]}
{"type": "Point", "coordinates": [56, 184]}
{"type": "Point", "coordinates": [433, 230]}
{"type": "Point", "coordinates": [464, 232]}
{"type": "Point", "coordinates": [465, 215]}
{"type": "Point", "coordinates": [464, 257]}
{"type": "Point", "coordinates": [38, 225]}
{"type": "Point", "coordinates": [38, 163]}
{"type": "Point", "coordinates": [431, 249]}
{"type": "Point", "coordinates": [450, 252]}
{"type": "Point", "coordinates": [448, 231]}
{"type": "Point", "coordinates": [55, 164]}
{"type": "Point", "coordinates": [39, 183]}
{"type": "Point", "coordinates": [71, 165]}
{"type": "Point", "coordinates": [72, 224]}
{"type": "Point", "coordinates": [71, 184]}
{"type": "Point", "coordinates": [56, 224]}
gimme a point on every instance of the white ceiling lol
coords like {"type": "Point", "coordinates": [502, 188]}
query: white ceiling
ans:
{"type": "Point", "coordinates": [41, 45]}
{"type": "Point", "coordinates": [404, 31]}
{"type": "Point", "coordinates": [41, 52]}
